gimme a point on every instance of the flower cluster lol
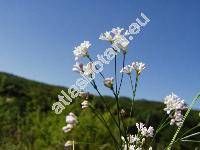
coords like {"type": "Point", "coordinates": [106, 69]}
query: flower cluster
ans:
{"type": "Point", "coordinates": [115, 36]}
{"type": "Point", "coordinates": [71, 121]}
{"type": "Point", "coordinates": [174, 107]}
{"type": "Point", "coordinates": [137, 66]}
{"type": "Point", "coordinates": [81, 50]}
{"type": "Point", "coordinates": [137, 142]}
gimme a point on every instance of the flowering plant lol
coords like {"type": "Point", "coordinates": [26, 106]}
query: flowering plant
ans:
{"type": "Point", "coordinates": [143, 137]}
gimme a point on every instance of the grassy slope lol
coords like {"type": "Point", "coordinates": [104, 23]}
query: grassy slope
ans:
{"type": "Point", "coordinates": [27, 121]}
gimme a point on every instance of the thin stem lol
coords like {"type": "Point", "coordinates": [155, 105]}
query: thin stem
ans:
{"type": "Point", "coordinates": [194, 141]}
{"type": "Point", "coordinates": [116, 97]}
{"type": "Point", "coordinates": [96, 88]}
{"type": "Point", "coordinates": [134, 89]}
{"type": "Point", "coordinates": [162, 125]}
{"type": "Point", "coordinates": [184, 118]}
{"type": "Point", "coordinates": [105, 124]}
{"type": "Point", "coordinates": [119, 114]}
{"type": "Point", "coordinates": [197, 133]}
{"type": "Point", "coordinates": [122, 76]}
{"type": "Point", "coordinates": [188, 131]}
{"type": "Point", "coordinates": [115, 74]}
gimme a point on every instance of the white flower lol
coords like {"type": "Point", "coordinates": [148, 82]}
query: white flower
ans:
{"type": "Point", "coordinates": [150, 148]}
{"type": "Point", "coordinates": [133, 138]}
{"type": "Point", "coordinates": [84, 104]}
{"type": "Point", "coordinates": [68, 143]}
{"type": "Point", "coordinates": [68, 127]}
{"type": "Point", "coordinates": [173, 102]}
{"type": "Point", "coordinates": [139, 126]}
{"type": "Point", "coordinates": [108, 82]}
{"type": "Point", "coordinates": [88, 69]}
{"type": "Point", "coordinates": [122, 111]}
{"type": "Point", "coordinates": [106, 36]}
{"type": "Point", "coordinates": [127, 69]}
{"type": "Point", "coordinates": [146, 132]}
{"type": "Point", "coordinates": [78, 67]}
{"type": "Point", "coordinates": [116, 38]}
{"type": "Point", "coordinates": [81, 50]}
{"type": "Point", "coordinates": [177, 118]}
{"type": "Point", "coordinates": [174, 107]}
{"type": "Point", "coordinates": [138, 67]}
{"type": "Point", "coordinates": [71, 118]}
{"type": "Point", "coordinates": [121, 42]}
{"type": "Point", "coordinates": [137, 142]}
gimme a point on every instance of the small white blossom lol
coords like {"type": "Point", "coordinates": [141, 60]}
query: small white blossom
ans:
{"type": "Point", "coordinates": [88, 69]}
{"type": "Point", "coordinates": [68, 143]}
{"type": "Point", "coordinates": [173, 102]}
{"type": "Point", "coordinates": [117, 38]}
{"type": "Point", "coordinates": [138, 67]}
{"type": "Point", "coordinates": [108, 82]}
{"type": "Point", "coordinates": [146, 132]}
{"type": "Point", "coordinates": [174, 106]}
{"type": "Point", "coordinates": [122, 111]}
{"type": "Point", "coordinates": [127, 69]}
{"type": "Point", "coordinates": [177, 118]}
{"type": "Point", "coordinates": [106, 36]}
{"type": "Point", "coordinates": [150, 148]}
{"type": "Point", "coordinates": [121, 42]}
{"type": "Point", "coordinates": [81, 50]}
{"type": "Point", "coordinates": [78, 67]}
{"type": "Point", "coordinates": [68, 128]}
{"type": "Point", "coordinates": [71, 118]}
{"type": "Point", "coordinates": [84, 104]}
{"type": "Point", "coordinates": [137, 142]}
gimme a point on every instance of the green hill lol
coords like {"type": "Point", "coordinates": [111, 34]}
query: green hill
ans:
{"type": "Point", "coordinates": [28, 123]}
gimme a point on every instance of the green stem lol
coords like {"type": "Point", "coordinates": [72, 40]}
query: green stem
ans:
{"type": "Point", "coordinates": [117, 99]}
{"type": "Point", "coordinates": [96, 88]}
{"type": "Point", "coordinates": [188, 131]}
{"type": "Point", "coordinates": [162, 125]}
{"type": "Point", "coordinates": [101, 118]}
{"type": "Point", "coordinates": [134, 89]}
{"type": "Point", "coordinates": [122, 76]}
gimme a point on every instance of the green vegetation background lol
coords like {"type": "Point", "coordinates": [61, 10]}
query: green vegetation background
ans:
{"type": "Point", "coordinates": [28, 123]}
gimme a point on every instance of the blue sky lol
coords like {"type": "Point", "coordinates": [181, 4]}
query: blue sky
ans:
{"type": "Point", "coordinates": [37, 39]}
